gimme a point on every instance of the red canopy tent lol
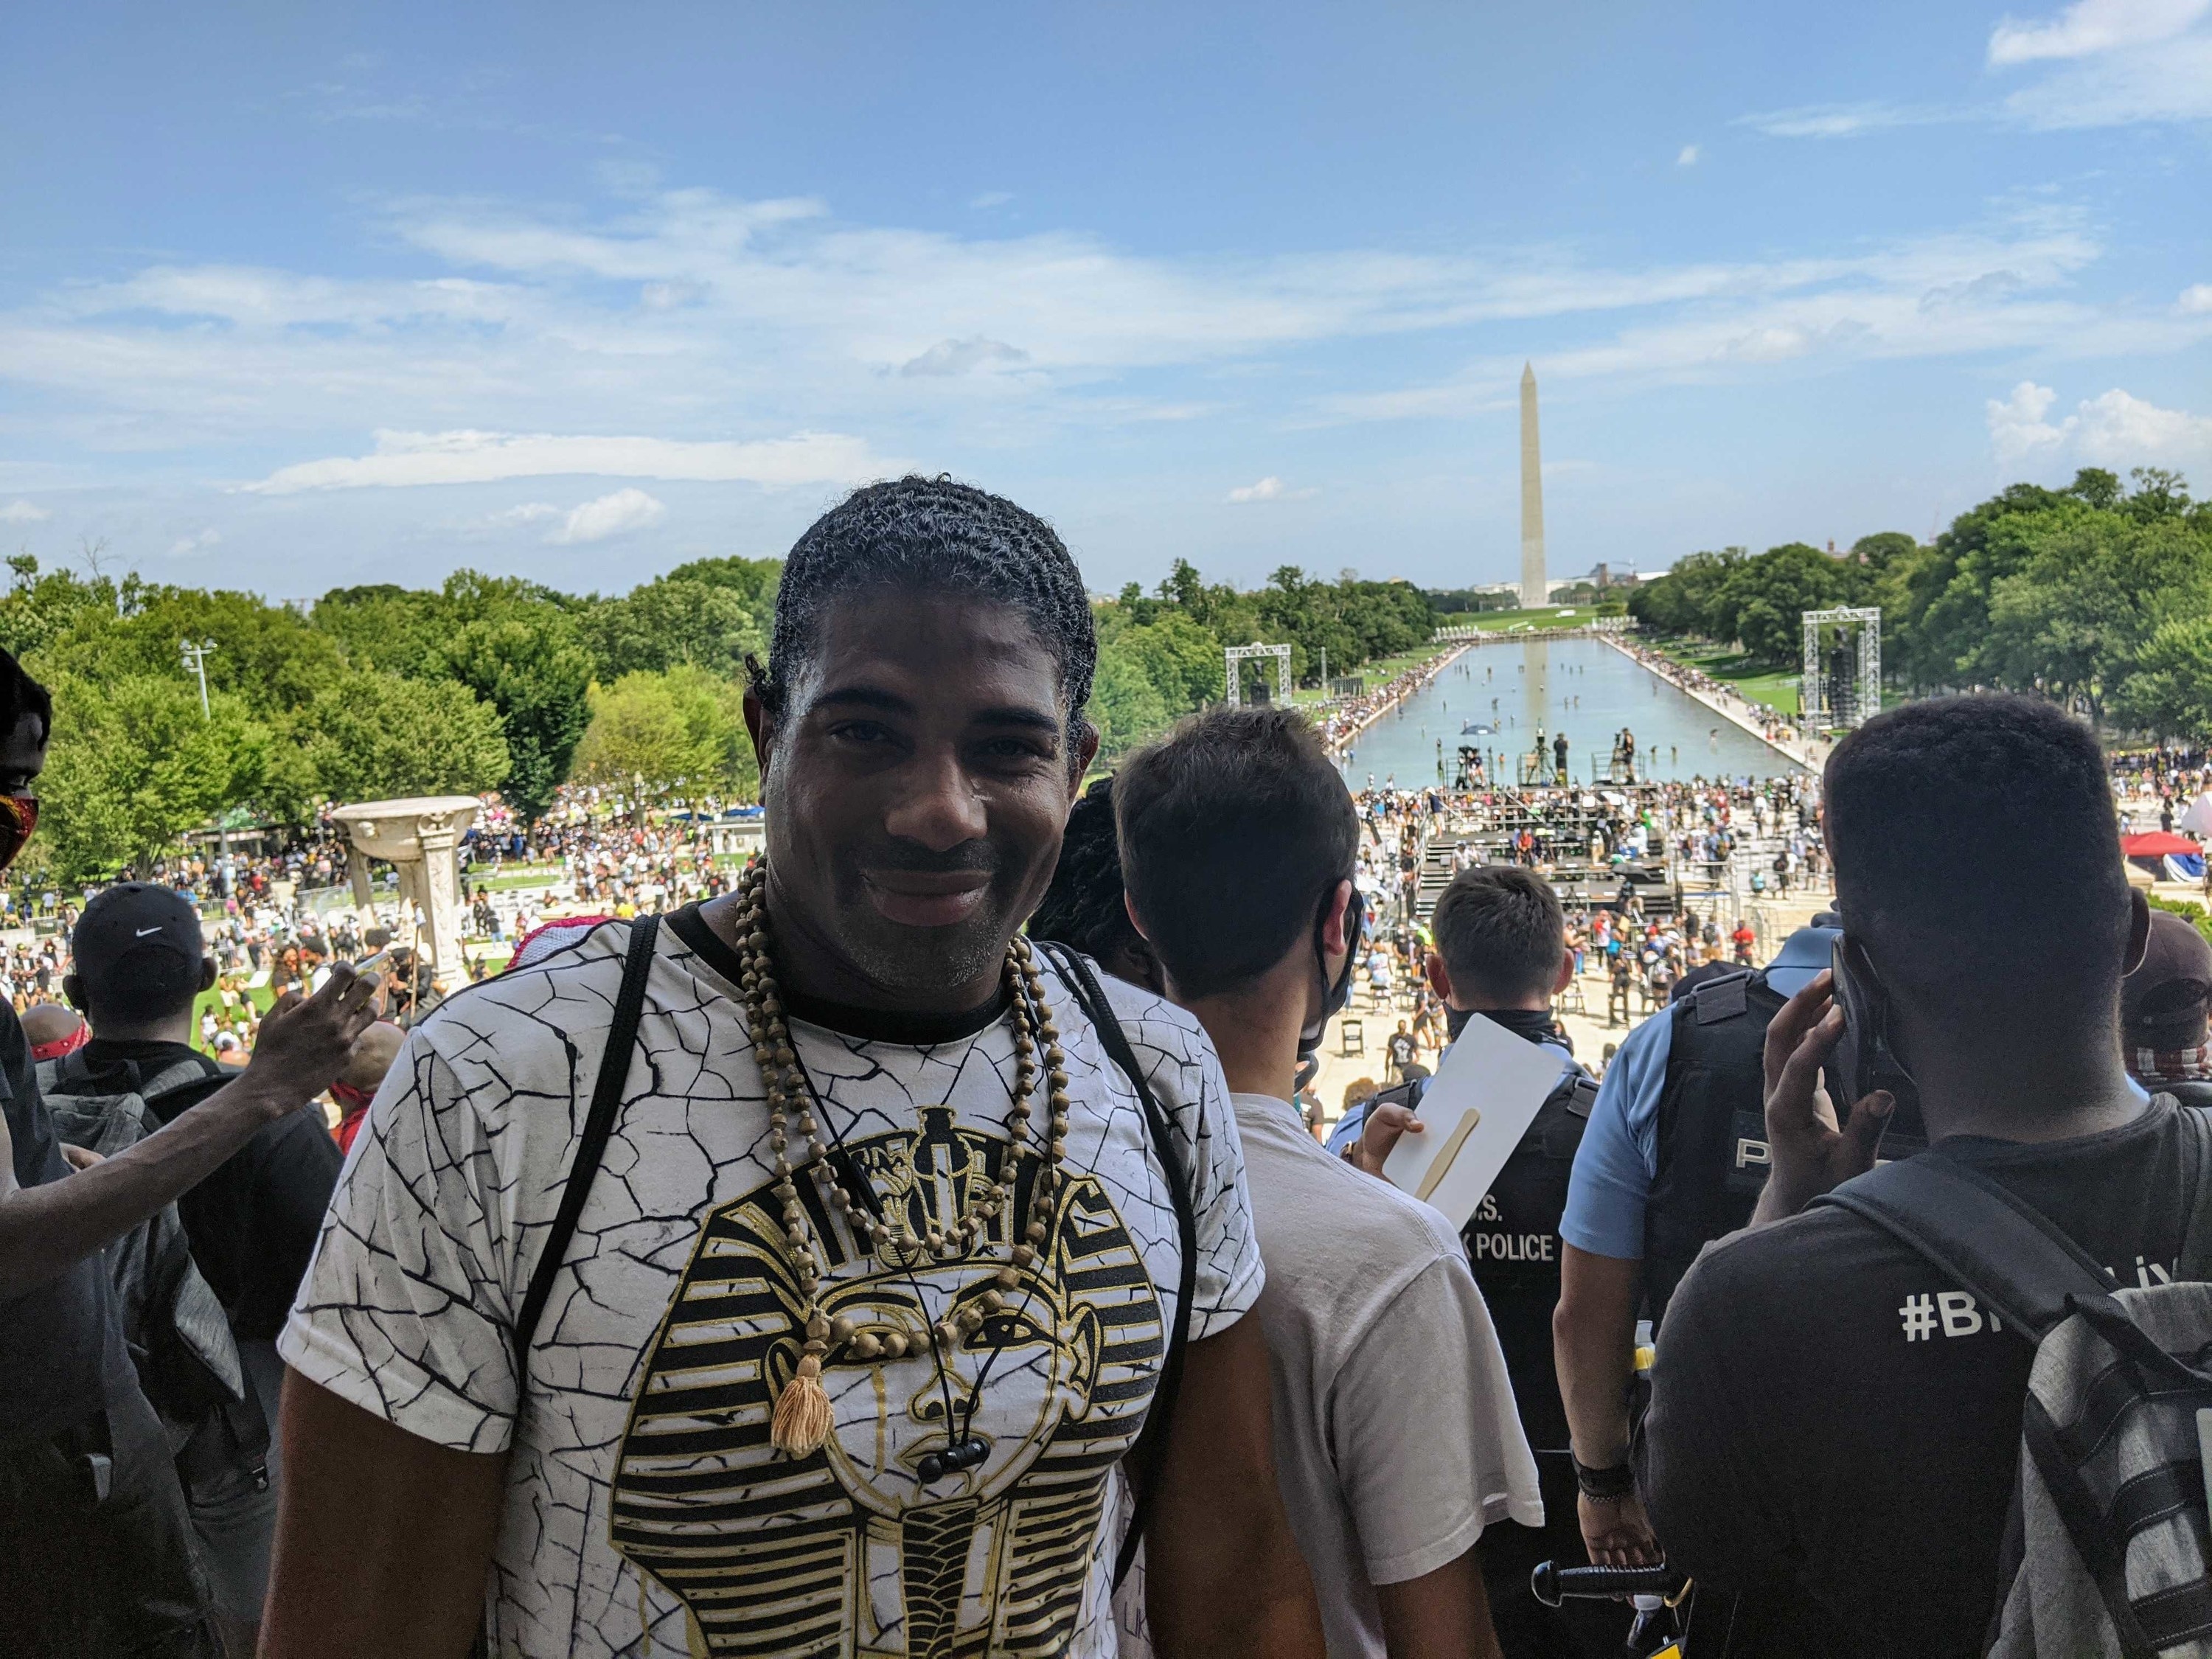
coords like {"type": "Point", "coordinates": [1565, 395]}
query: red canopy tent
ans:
{"type": "Point", "coordinates": [2156, 844]}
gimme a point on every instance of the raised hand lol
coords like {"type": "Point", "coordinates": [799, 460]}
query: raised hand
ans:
{"type": "Point", "coordinates": [302, 1048]}
{"type": "Point", "coordinates": [1811, 1153]}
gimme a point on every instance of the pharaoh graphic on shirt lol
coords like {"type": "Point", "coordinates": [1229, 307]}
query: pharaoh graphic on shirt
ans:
{"type": "Point", "coordinates": [646, 1509]}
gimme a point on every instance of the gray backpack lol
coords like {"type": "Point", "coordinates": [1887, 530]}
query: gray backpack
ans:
{"type": "Point", "coordinates": [177, 1331]}
{"type": "Point", "coordinates": [2109, 1552]}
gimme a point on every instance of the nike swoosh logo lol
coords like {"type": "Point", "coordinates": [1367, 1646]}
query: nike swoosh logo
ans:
{"type": "Point", "coordinates": [143, 932]}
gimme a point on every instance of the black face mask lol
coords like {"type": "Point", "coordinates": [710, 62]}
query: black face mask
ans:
{"type": "Point", "coordinates": [1335, 996]}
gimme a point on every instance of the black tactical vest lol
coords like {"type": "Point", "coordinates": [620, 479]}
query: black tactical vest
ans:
{"type": "Point", "coordinates": [1711, 1128]}
{"type": "Point", "coordinates": [1513, 1245]}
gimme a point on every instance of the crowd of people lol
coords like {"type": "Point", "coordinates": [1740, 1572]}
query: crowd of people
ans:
{"type": "Point", "coordinates": [1341, 722]}
{"type": "Point", "coordinates": [916, 1241]}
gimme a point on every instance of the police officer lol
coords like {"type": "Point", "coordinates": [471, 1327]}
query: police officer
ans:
{"type": "Point", "coordinates": [1673, 1157]}
{"type": "Point", "coordinates": [1501, 954]}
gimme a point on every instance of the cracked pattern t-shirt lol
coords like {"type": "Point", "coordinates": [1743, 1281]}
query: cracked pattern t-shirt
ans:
{"type": "Point", "coordinates": [645, 1510]}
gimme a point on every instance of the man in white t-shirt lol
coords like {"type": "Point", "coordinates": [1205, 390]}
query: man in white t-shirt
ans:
{"type": "Point", "coordinates": [877, 1405]}
{"type": "Point", "coordinates": [1396, 1437]}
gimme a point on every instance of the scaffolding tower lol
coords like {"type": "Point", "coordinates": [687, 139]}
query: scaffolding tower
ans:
{"type": "Point", "coordinates": [1842, 686]}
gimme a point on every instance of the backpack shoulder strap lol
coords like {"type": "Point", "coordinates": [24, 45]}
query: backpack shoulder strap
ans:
{"type": "Point", "coordinates": [1149, 1455]}
{"type": "Point", "coordinates": [2005, 1251]}
{"type": "Point", "coordinates": [599, 1127]}
{"type": "Point", "coordinates": [2196, 1261]}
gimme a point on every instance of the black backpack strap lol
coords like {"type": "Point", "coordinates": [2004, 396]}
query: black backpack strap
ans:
{"type": "Point", "coordinates": [2000, 1248]}
{"type": "Point", "coordinates": [599, 1127]}
{"type": "Point", "coordinates": [1149, 1455]}
{"type": "Point", "coordinates": [2196, 1259]}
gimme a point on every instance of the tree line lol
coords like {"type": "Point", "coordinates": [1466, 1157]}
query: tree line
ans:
{"type": "Point", "coordinates": [498, 683]}
{"type": "Point", "coordinates": [1161, 656]}
{"type": "Point", "coordinates": [2098, 594]}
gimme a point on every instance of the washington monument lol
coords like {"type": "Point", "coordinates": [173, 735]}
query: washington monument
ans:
{"type": "Point", "coordinates": [1534, 591]}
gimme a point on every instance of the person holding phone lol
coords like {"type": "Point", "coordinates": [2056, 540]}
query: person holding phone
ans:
{"type": "Point", "coordinates": [1834, 1432]}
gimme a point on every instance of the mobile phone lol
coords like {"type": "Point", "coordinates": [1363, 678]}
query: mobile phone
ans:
{"type": "Point", "coordinates": [1863, 1059]}
{"type": "Point", "coordinates": [373, 966]}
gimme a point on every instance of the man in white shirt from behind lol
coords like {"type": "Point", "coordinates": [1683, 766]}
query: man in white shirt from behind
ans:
{"type": "Point", "coordinates": [1396, 1437]}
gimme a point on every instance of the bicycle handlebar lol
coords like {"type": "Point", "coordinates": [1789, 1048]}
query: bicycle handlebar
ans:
{"type": "Point", "coordinates": [1553, 1583]}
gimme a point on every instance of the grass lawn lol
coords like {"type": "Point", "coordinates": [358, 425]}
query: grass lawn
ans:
{"type": "Point", "coordinates": [1379, 672]}
{"type": "Point", "coordinates": [1776, 690]}
{"type": "Point", "coordinates": [514, 876]}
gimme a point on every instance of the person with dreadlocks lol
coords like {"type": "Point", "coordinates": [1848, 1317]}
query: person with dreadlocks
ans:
{"type": "Point", "coordinates": [800, 1272]}
{"type": "Point", "coordinates": [1086, 907]}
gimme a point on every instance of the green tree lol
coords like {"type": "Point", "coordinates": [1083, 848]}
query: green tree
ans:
{"type": "Point", "coordinates": [371, 736]}
{"type": "Point", "coordinates": [1126, 707]}
{"type": "Point", "coordinates": [2170, 691]}
{"type": "Point", "coordinates": [384, 626]}
{"type": "Point", "coordinates": [1681, 601]}
{"type": "Point", "coordinates": [679, 730]}
{"type": "Point", "coordinates": [134, 764]}
{"type": "Point", "coordinates": [2073, 620]}
{"type": "Point", "coordinates": [1183, 661]}
{"type": "Point", "coordinates": [673, 620]}
{"type": "Point", "coordinates": [1762, 602]}
{"type": "Point", "coordinates": [526, 661]}
{"type": "Point", "coordinates": [1880, 549]}
{"type": "Point", "coordinates": [41, 606]}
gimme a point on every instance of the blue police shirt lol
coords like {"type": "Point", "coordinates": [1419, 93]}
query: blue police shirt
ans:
{"type": "Point", "coordinates": [1618, 1158]}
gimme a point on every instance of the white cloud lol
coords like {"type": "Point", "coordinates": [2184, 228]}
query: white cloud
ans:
{"type": "Point", "coordinates": [2118, 430]}
{"type": "Point", "coordinates": [2017, 428]}
{"type": "Point", "coordinates": [1843, 120]}
{"type": "Point", "coordinates": [2090, 27]}
{"type": "Point", "coordinates": [949, 357]}
{"type": "Point", "coordinates": [2171, 81]}
{"type": "Point", "coordinates": [198, 542]}
{"type": "Point", "coordinates": [1934, 297]}
{"type": "Point", "coordinates": [991, 198]}
{"type": "Point", "coordinates": [1687, 157]}
{"type": "Point", "coordinates": [20, 512]}
{"type": "Point", "coordinates": [2197, 298]}
{"type": "Point", "coordinates": [618, 515]}
{"type": "Point", "coordinates": [2123, 431]}
{"type": "Point", "coordinates": [443, 458]}
{"type": "Point", "coordinates": [527, 513]}
{"type": "Point", "coordinates": [1270, 488]}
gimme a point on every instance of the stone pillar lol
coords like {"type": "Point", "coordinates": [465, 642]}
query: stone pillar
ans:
{"type": "Point", "coordinates": [438, 890]}
{"type": "Point", "coordinates": [420, 837]}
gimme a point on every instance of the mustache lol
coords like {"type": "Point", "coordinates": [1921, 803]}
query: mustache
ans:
{"type": "Point", "coordinates": [911, 856]}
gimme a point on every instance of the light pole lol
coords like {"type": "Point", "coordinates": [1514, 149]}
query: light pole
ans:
{"type": "Point", "coordinates": [196, 653]}
{"type": "Point", "coordinates": [195, 659]}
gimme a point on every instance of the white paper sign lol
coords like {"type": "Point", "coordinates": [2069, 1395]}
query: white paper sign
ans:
{"type": "Point", "coordinates": [1484, 1094]}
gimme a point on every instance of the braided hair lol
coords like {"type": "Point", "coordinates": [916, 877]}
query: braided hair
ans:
{"type": "Point", "coordinates": [1082, 908]}
{"type": "Point", "coordinates": [933, 535]}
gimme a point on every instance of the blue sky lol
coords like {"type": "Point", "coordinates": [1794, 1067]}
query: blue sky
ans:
{"type": "Point", "coordinates": [297, 296]}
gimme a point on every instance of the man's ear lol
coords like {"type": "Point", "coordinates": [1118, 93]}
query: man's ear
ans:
{"type": "Point", "coordinates": [1439, 975]}
{"type": "Point", "coordinates": [1129, 909]}
{"type": "Point", "coordinates": [73, 992]}
{"type": "Point", "coordinates": [2138, 930]}
{"type": "Point", "coordinates": [207, 973]}
{"type": "Point", "coordinates": [760, 726]}
{"type": "Point", "coordinates": [1566, 970]}
{"type": "Point", "coordinates": [1085, 751]}
{"type": "Point", "coordinates": [1335, 937]}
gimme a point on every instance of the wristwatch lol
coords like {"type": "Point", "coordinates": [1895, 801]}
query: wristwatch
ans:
{"type": "Point", "coordinates": [1608, 1486]}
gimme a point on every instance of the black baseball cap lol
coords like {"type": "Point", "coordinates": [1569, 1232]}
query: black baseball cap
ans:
{"type": "Point", "coordinates": [2163, 1004]}
{"type": "Point", "coordinates": [135, 915]}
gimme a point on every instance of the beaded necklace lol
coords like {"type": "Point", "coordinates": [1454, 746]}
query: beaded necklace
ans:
{"type": "Point", "coordinates": [803, 1416]}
